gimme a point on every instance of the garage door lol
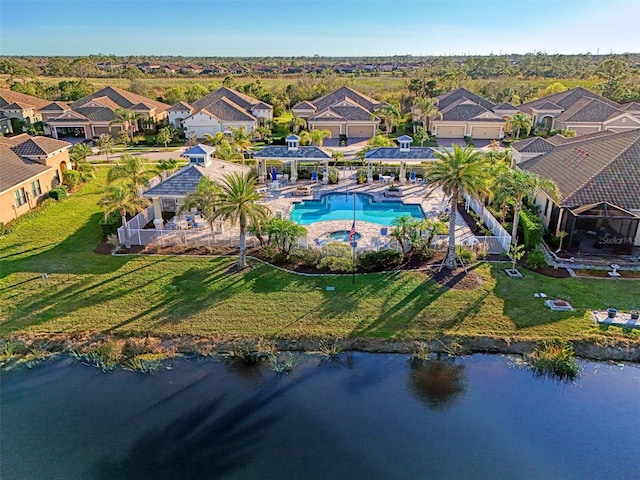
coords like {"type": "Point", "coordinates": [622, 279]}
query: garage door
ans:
{"type": "Point", "coordinates": [450, 131]}
{"type": "Point", "coordinates": [97, 131]}
{"type": "Point", "coordinates": [360, 131]}
{"type": "Point", "coordinates": [334, 129]}
{"type": "Point", "coordinates": [489, 133]}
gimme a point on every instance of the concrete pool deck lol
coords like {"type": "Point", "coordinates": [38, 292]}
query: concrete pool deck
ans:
{"type": "Point", "coordinates": [433, 202]}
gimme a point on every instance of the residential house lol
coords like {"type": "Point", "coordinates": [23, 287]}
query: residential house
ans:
{"type": "Point", "coordinates": [18, 107]}
{"type": "Point", "coordinates": [169, 195]}
{"type": "Point", "coordinates": [148, 67]}
{"type": "Point", "coordinates": [220, 111]}
{"type": "Point", "coordinates": [465, 114]}
{"type": "Point", "coordinates": [583, 111]}
{"type": "Point", "coordinates": [532, 147]}
{"type": "Point", "coordinates": [29, 168]}
{"type": "Point", "coordinates": [237, 69]}
{"type": "Point", "coordinates": [293, 153]}
{"type": "Point", "coordinates": [342, 112]}
{"type": "Point", "coordinates": [214, 70]}
{"type": "Point", "coordinates": [94, 115]}
{"type": "Point", "coordinates": [598, 177]}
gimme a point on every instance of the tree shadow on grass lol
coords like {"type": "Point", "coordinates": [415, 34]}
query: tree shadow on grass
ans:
{"type": "Point", "coordinates": [73, 255]}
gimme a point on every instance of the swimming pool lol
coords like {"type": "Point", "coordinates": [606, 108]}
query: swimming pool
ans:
{"type": "Point", "coordinates": [339, 206]}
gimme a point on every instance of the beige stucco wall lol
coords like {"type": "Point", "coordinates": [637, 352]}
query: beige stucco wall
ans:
{"type": "Point", "coordinates": [8, 210]}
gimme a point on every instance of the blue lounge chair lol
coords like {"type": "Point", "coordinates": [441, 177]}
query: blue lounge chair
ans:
{"type": "Point", "coordinates": [384, 231]}
{"type": "Point", "coordinates": [314, 177]}
{"type": "Point", "coordinates": [412, 177]}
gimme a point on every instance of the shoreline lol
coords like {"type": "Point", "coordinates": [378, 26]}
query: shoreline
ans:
{"type": "Point", "coordinates": [31, 349]}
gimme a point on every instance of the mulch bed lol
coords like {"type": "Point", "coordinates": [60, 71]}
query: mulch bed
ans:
{"type": "Point", "coordinates": [553, 272]}
{"type": "Point", "coordinates": [458, 279]}
{"type": "Point", "coordinates": [103, 248]}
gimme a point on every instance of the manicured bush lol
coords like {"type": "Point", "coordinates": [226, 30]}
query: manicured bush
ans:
{"type": "Point", "coordinates": [362, 176]}
{"type": "Point", "coordinates": [58, 193]}
{"type": "Point", "coordinates": [336, 264]}
{"type": "Point", "coordinates": [308, 257]}
{"type": "Point", "coordinates": [379, 261]}
{"type": "Point", "coordinates": [71, 178]}
{"type": "Point", "coordinates": [535, 259]}
{"type": "Point", "coordinates": [110, 224]}
{"type": "Point", "coordinates": [530, 229]}
{"type": "Point", "coordinates": [333, 175]}
{"type": "Point", "coordinates": [304, 175]}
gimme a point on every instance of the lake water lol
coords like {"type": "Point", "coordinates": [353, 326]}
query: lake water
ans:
{"type": "Point", "coordinates": [339, 206]}
{"type": "Point", "coordinates": [364, 416]}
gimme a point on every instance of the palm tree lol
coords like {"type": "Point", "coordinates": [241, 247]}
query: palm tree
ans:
{"type": "Point", "coordinates": [390, 116]}
{"type": "Point", "coordinates": [306, 138]}
{"type": "Point", "coordinates": [521, 121]}
{"type": "Point", "coordinates": [297, 124]}
{"type": "Point", "coordinates": [105, 144]}
{"type": "Point", "coordinates": [127, 118]}
{"type": "Point", "coordinates": [241, 140]}
{"type": "Point", "coordinates": [403, 224]}
{"type": "Point", "coordinates": [131, 170]}
{"type": "Point", "coordinates": [205, 198]}
{"type": "Point", "coordinates": [122, 199]}
{"type": "Point", "coordinates": [78, 156]}
{"type": "Point", "coordinates": [428, 108]}
{"type": "Point", "coordinates": [237, 203]}
{"type": "Point", "coordinates": [214, 139]}
{"type": "Point", "coordinates": [225, 151]}
{"type": "Point", "coordinates": [523, 184]}
{"type": "Point", "coordinates": [458, 171]}
{"type": "Point", "coordinates": [318, 136]}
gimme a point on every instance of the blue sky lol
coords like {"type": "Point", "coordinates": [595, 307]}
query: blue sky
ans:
{"type": "Point", "coordinates": [308, 27]}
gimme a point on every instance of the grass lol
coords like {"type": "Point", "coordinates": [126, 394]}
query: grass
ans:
{"type": "Point", "coordinates": [173, 296]}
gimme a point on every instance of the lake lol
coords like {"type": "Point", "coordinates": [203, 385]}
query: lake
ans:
{"type": "Point", "coordinates": [362, 416]}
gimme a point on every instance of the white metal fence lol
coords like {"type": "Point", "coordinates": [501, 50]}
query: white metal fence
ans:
{"type": "Point", "coordinates": [500, 234]}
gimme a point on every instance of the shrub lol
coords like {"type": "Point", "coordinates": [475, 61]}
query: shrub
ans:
{"type": "Point", "coordinates": [336, 264]}
{"type": "Point", "coordinates": [535, 259]}
{"type": "Point", "coordinates": [272, 254]}
{"type": "Point", "coordinates": [394, 188]}
{"type": "Point", "coordinates": [531, 229]}
{"type": "Point", "coordinates": [308, 257]}
{"type": "Point", "coordinates": [381, 260]}
{"type": "Point", "coordinates": [71, 178]}
{"type": "Point", "coordinates": [482, 251]}
{"type": "Point", "coordinates": [362, 176]}
{"type": "Point", "coordinates": [333, 175]}
{"type": "Point", "coordinates": [3, 229]}
{"type": "Point", "coordinates": [304, 175]}
{"type": "Point", "coordinates": [58, 193]}
{"type": "Point", "coordinates": [555, 358]}
{"type": "Point", "coordinates": [110, 224]}
{"type": "Point", "coordinates": [421, 250]}
{"type": "Point", "coordinates": [465, 254]}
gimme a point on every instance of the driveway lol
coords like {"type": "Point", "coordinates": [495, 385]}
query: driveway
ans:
{"type": "Point", "coordinates": [449, 142]}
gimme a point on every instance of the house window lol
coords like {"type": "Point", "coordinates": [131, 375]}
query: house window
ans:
{"type": "Point", "coordinates": [624, 120]}
{"type": "Point", "coordinates": [57, 177]}
{"type": "Point", "coordinates": [546, 207]}
{"type": "Point", "coordinates": [36, 191]}
{"type": "Point", "coordinates": [21, 198]}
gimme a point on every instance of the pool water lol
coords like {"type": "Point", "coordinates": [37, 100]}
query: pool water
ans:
{"type": "Point", "coordinates": [339, 206]}
{"type": "Point", "coordinates": [343, 236]}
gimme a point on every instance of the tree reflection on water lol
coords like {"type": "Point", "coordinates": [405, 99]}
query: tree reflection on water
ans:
{"type": "Point", "coordinates": [438, 383]}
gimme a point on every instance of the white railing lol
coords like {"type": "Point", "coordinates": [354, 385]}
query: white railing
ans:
{"type": "Point", "coordinates": [490, 221]}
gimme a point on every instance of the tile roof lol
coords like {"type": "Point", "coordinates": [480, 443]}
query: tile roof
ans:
{"type": "Point", "coordinates": [240, 99]}
{"type": "Point", "coordinates": [305, 105]}
{"type": "Point", "coordinates": [37, 146]}
{"type": "Point", "coordinates": [69, 116]}
{"type": "Point", "coordinates": [465, 110]}
{"type": "Point", "coordinates": [446, 99]}
{"type": "Point", "coordinates": [9, 96]}
{"type": "Point", "coordinates": [504, 106]}
{"type": "Point", "coordinates": [565, 99]}
{"type": "Point", "coordinates": [228, 105]}
{"type": "Point", "coordinates": [343, 93]}
{"type": "Point", "coordinates": [122, 98]}
{"type": "Point", "coordinates": [346, 113]}
{"type": "Point", "coordinates": [17, 106]}
{"type": "Point", "coordinates": [533, 145]}
{"type": "Point", "coordinates": [56, 106]}
{"type": "Point", "coordinates": [594, 170]}
{"type": "Point", "coordinates": [180, 107]}
{"type": "Point", "coordinates": [97, 114]}
{"type": "Point", "coordinates": [15, 170]}
{"type": "Point", "coordinates": [262, 106]}
{"type": "Point", "coordinates": [548, 106]}
{"type": "Point", "coordinates": [589, 110]}
{"type": "Point", "coordinates": [631, 107]}
{"type": "Point", "coordinates": [186, 179]}
{"type": "Point", "coordinates": [562, 140]}
{"type": "Point", "coordinates": [16, 139]}
{"type": "Point", "coordinates": [281, 151]}
{"type": "Point", "coordinates": [394, 153]}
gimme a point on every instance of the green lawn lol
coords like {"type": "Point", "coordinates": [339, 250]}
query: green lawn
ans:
{"type": "Point", "coordinates": [170, 296]}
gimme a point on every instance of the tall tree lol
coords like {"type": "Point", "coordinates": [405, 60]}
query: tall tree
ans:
{"type": "Point", "coordinates": [121, 198]}
{"type": "Point", "coordinates": [164, 136]}
{"type": "Point", "coordinates": [133, 171]}
{"type": "Point", "coordinates": [105, 145]}
{"type": "Point", "coordinates": [78, 156]}
{"type": "Point", "coordinates": [205, 198]}
{"type": "Point", "coordinates": [318, 136]}
{"type": "Point", "coordinates": [428, 108]}
{"type": "Point", "coordinates": [521, 122]}
{"type": "Point", "coordinates": [127, 118]}
{"type": "Point", "coordinates": [458, 171]}
{"type": "Point", "coordinates": [389, 115]}
{"type": "Point", "coordinates": [237, 203]}
{"type": "Point", "coordinates": [521, 184]}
